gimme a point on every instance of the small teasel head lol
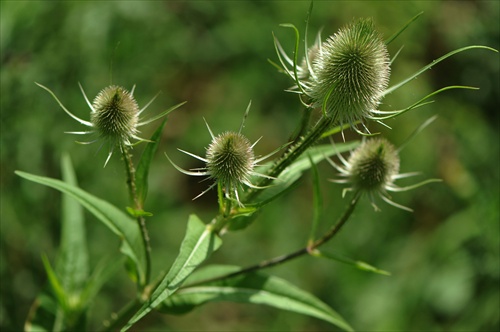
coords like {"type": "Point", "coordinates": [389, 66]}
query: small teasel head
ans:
{"type": "Point", "coordinates": [230, 158]}
{"type": "Point", "coordinates": [115, 114]}
{"type": "Point", "coordinates": [373, 165]}
{"type": "Point", "coordinates": [373, 168]}
{"type": "Point", "coordinates": [114, 117]}
{"type": "Point", "coordinates": [350, 73]}
{"type": "Point", "coordinates": [229, 161]}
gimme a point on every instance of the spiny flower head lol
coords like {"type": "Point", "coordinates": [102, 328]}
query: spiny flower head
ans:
{"type": "Point", "coordinates": [229, 161]}
{"type": "Point", "coordinates": [350, 73]}
{"type": "Point", "coordinates": [372, 168]}
{"type": "Point", "coordinates": [230, 158]}
{"type": "Point", "coordinates": [373, 165]}
{"type": "Point", "coordinates": [345, 76]}
{"type": "Point", "coordinates": [114, 117]}
{"type": "Point", "coordinates": [115, 114]}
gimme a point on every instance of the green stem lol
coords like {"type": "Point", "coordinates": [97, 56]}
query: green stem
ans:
{"type": "Point", "coordinates": [134, 198]}
{"type": "Point", "coordinates": [303, 251]}
{"type": "Point", "coordinates": [291, 155]}
{"type": "Point", "coordinates": [225, 207]}
{"type": "Point", "coordinates": [302, 127]}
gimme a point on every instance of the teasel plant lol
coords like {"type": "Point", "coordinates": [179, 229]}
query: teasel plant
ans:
{"type": "Point", "coordinates": [115, 121]}
{"type": "Point", "coordinates": [230, 162]}
{"type": "Point", "coordinates": [342, 81]}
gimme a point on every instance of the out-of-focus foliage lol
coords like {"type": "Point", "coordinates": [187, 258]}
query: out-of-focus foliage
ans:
{"type": "Point", "coordinates": [444, 258]}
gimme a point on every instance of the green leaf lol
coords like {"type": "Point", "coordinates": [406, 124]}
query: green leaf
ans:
{"type": "Point", "coordinates": [142, 172]}
{"type": "Point", "coordinates": [138, 213]}
{"type": "Point", "coordinates": [424, 101]}
{"type": "Point", "coordinates": [292, 173]}
{"type": "Point", "coordinates": [116, 220]}
{"type": "Point", "coordinates": [72, 266]}
{"type": "Point", "coordinates": [357, 264]}
{"type": "Point", "coordinates": [289, 177]}
{"type": "Point", "coordinates": [54, 283]}
{"type": "Point", "coordinates": [43, 314]}
{"type": "Point", "coordinates": [106, 268]}
{"type": "Point", "coordinates": [397, 33]}
{"type": "Point", "coordinates": [433, 63]}
{"type": "Point", "coordinates": [199, 243]}
{"type": "Point", "coordinates": [255, 288]}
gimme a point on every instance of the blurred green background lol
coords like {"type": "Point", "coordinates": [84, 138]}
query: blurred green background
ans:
{"type": "Point", "coordinates": [444, 258]}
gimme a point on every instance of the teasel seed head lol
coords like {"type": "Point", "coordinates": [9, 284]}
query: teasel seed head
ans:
{"type": "Point", "coordinates": [114, 117]}
{"type": "Point", "coordinates": [229, 161]}
{"type": "Point", "coordinates": [373, 165]}
{"type": "Point", "coordinates": [230, 158]}
{"type": "Point", "coordinates": [350, 73]}
{"type": "Point", "coordinates": [115, 114]}
{"type": "Point", "coordinates": [372, 169]}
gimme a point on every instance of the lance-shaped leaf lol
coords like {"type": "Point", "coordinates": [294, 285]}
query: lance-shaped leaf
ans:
{"type": "Point", "coordinates": [288, 178]}
{"type": "Point", "coordinates": [141, 175]}
{"type": "Point", "coordinates": [255, 288]}
{"type": "Point", "coordinates": [199, 243]}
{"type": "Point", "coordinates": [292, 173]}
{"type": "Point", "coordinates": [433, 63]}
{"type": "Point", "coordinates": [72, 265]}
{"type": "Point", "coordinates": [116, 220]}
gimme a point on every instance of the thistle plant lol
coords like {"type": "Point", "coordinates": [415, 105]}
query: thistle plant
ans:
{"type": "Point", "coordinates": [340, 81]}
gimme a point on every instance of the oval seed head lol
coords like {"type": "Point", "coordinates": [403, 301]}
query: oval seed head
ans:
{"type": "Point", "coordinates": [373, 165]}
{"type": "Point", "coordinates": [351, 72]}
{"type": "Point", "coordinates": [115, 114]}
{"type": "Point", "coordinates": [230, 158]}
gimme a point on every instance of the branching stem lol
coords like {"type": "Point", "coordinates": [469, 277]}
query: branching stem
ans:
{"type": "Point", "coordinates": [303, 251]}
{"type": "Point", "coordinates": [292, 154]}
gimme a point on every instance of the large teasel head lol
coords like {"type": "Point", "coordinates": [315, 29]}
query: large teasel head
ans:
{"type": "Point", "coordinates": [350, 73]}
{"type": "Point", "coordinates": [345, 76]}
{"type": "Point", "coordinates": [114, 117]}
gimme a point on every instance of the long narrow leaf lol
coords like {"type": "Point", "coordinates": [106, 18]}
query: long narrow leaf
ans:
{"type": "Point", "coordinates": [72, 266]}
{"type": "Point", "coordinates": [142, 172]}
{"type": "Point", "coordinates": [397, 33]}
{"type": "Point", "coordinates": [116, 220]}
{"type": "Point", "coordinates": [198, 244]}
{"type": "Point", "coordinates": [254, 288]}
{"type": "Point", "coordinates": [346, 260]}
{"type": "Point", "coordinates": [289, 177]}
{"type": "Point", "coordinates": [302, 164]}
{"type": "Point", "coordinates": [433, 63]}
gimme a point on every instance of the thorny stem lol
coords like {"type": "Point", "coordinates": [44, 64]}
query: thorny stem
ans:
{"type": "Point", "coordinates": [302, 127]}
{"type": "Point", "coordinates": [141, 221]}
{"type": "Point", "coordinates": [303, 251]}
{"type": "Point", "coordinates": [292, 154]}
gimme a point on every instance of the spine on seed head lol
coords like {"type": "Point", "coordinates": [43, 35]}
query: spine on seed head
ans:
{"type": "Point", "coordinates": [373, 165]}
{"type": "Point", "coordinates": [115, 114]}
{"type": "Point", "coordinates": [350, 73]}
{"type": "Point", "coordinates": [230, 158]}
